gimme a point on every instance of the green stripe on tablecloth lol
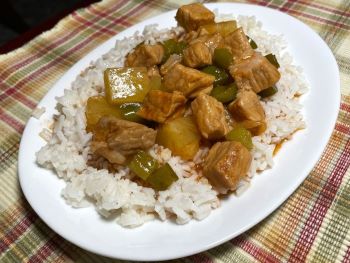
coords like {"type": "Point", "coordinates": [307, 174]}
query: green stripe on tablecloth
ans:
{"type": "Point", "coordinates": [10, 217]}
{"type": "Point", "coordinates": [9, 185]}
{"type": "Point", "coordinates": [333, 231]}
{"type": "Point", "coordinates": [335, 228]}
{"type": "Point", "coordinates": [337, 35]}
{"type": "Point", "coordinates": [228, 253]}
{"type": "Point", "coordinates": [314, 10]}
{"type": "Point", "coordinates": [279, 230]}
{"type": "Point", "coordinates": [343, 63]}
{"type": "Point", "coordinates": [30, 241]}
{"type": "Point", "coordinates": [20, 113]}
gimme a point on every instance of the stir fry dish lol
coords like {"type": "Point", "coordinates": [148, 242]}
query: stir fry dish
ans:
{"type": "Point", "coordinates": [201, 88]}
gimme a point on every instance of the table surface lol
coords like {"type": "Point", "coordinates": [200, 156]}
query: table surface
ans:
{"type": "Point", "coordinates": [313, 225]}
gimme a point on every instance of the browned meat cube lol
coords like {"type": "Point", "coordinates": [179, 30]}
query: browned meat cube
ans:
{"type": "Point", "coordinates": [99, 162]}
{"type": "Point", "coordinates": [192, 16]}
{"type": "Point", "coordinates": [211, 41]}
{"type": "Point", "coordinates": [101, 149]}
{"type": "Point", "coordinates": [115, 139]}
{"type": "Point", "coordinates": [248, 110]}
{"type": "Point", "coordinates": [170, 63]}
{"type": "Point", "coordinates": [189, 81]}
{"type": "Point", "coordinates": [145, 55]}
{"type": "Point", "coordinates": [153, 72]}
{"type": "Point", "coordinates": [197, 55]}
{"type": "Point", "coordinates": [161, 106]}
{"type": "Point", "coordinates": [226, 164]}
{"type": "Point", "coordinates": [210, 116]}
{"type": "Point", "coordinates": [254, 73]}
{"type": "Point", "coordinates": [238, 44]}
{"type": "Point", "coordinates": [189, 36]}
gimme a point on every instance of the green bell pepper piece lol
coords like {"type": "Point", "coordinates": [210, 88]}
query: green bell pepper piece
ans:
{"type": "Point", "coordinates": [242, 135]}
{"type": "Point", "coordinates": [142, 164]}
{"type": "Point", "coordinates": [221, 77]}
{"type": "Point", "coordinates": [224, 94]}
{"type": "Point", "coordinates": [162, 177]}
{"type": "Point", "coordinates": [171, 46]}
{"type": "Point", "coordinates": [252, 43]}
{"type": "Point", "coordinates": [222, 57]}
{"type": "Point", "coordinates": [128, 112]}
{"type": "Point", "coordinates": [273, 60]}
{"type": "Point", "coordinates": [268, 92]}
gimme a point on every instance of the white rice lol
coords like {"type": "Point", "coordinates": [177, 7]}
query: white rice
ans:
{"type": "Point", "coordinates": [191, 196]}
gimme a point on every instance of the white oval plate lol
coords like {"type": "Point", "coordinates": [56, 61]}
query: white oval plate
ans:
{"type": "Point", "coordinates": [164, 240]}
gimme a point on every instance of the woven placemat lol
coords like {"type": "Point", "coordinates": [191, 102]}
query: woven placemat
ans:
{"type": "Point", "coordinates": [313, 225]}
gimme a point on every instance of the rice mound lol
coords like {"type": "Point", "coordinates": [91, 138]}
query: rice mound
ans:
{"type": "Point", "coordinates": [189, 197]}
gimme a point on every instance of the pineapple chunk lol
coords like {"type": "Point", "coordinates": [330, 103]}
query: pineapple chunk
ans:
{"type": "Point", "coordinates": [181, 136]}
{"type": "Point", "coordinates": [97, 107]}
{"type": "Point", "coordinates": [123, 85]}
{"type": "Point", "coordinates": [223, 28]}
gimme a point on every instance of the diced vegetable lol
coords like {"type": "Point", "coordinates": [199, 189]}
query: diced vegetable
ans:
{"type": "Point", "coordinates": [155, 83]}
{"type": "Point", "coordinates": [221, 77]}
{"type": "Point", "coordinates": [128, 112]}
{"type": "Point", "coordinates": [162, 177]}
{"type": "Point", "coordinates": [123, 85]}
{"type": "Point", "coordinates": [179, 47]}
{"type": "Point", "coordinates": [181, 136]}
{"type": "Point", "coordinates": [242, 135]}
{"type": "Point", "coordinates": [268, 92]}
{"type": "Point", "coordinates": [224, 94]}
{"type": "Point", "coordinates": [252, 43]}
{"type": "Point", "coordinates": [222, 57]}
{"type": "Point", "coordinates": [223, 28]}
{"type": "Point", "coordinates": [147, 168]}
{"type": "Point", "coordinates": [143, 165]}
{"type": "Point", "coordinates": [97, 107]}
{"type": "Point", "coordinates": [273, 60]}
{"type": "Point", "coordinates": [171, 46]}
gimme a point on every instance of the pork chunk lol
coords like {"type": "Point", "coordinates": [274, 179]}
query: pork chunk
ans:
{"type": "Point", "coordinates": [226, 164]}
{"type": "Point", "coordinates": [189, 36]}
{"type": "Point", "coordinates": [115, 139]}
{"type": "Point", "coordinates": [255, 73]}
{"type": "Point", "coordinates": [197, 55]}
{"type": "Point", "coordinates": [161, 106]}
{"type": "Point", "coordinates": [153, 72]}
{"type": "Point", "coordinates": [187, 80]}
{"type": "Point", "coordinates": [145, 55]}
{"type": "Point", "coordinates": [247, 109]}
{"type": "Point", "coordinates": [192, 16]}
{"type": "Point", "coordinates": [210, 117]}
{"type": "Point", "coordinates": [170, 63]}
{"type": "Point", "coordinates": [238, 44]}
{"type": "Point", "coordinates": [211, 41]}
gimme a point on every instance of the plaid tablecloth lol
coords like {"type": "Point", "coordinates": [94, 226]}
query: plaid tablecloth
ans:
{"type": "Point", "coordinates": [313, 225]}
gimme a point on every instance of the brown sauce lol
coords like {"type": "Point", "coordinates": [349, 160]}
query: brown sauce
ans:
{"type": "Point", "coordinates": [278, 146]}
